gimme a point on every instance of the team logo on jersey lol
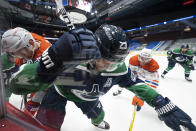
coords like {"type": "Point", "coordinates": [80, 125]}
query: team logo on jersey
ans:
{"type": "Point", "coordinates": [180, 59]}
{"type": "Point", "coordinates": [108, 83]}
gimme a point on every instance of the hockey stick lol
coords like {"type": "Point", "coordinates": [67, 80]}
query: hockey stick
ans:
{"type": "Point", "coordinates": [133, 118]}
{"type": "Point", "coordinates": [63, 15]}
{"type": "Point", "coordinates": [22, 102]}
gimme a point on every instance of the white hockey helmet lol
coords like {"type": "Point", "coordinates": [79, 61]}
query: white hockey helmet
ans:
{"type": "Point", "coordinates": [145, 55]}
{"type": "Point", "coordinates": [16, 39]}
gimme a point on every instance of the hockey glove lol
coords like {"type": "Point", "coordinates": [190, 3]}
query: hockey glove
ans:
{"type": "Point", "coordinates": [192, 67]}
{"type": "Point", "coordinates": [172, 115]}
{"type": "Point", "coordinates": [85, 47]}
{"type": "Point", "coordinates": [76, 46]}
{"type": "Point", "coordinates": [137, 101]}
{"type": "Point", "coordinates": [8, 73]}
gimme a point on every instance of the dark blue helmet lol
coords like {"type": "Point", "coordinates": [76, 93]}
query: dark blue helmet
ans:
{"type": "Point", "coordinates": [112, 42]}
{"type": "Point", "coordinates": [183, 46]}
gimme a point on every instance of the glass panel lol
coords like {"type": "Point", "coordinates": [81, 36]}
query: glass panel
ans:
{"type": "Point", "coordinates": [2, 91]}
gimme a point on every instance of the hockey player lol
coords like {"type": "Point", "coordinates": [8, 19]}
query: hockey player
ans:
{"type": "Point", "coordinates": [21, 47]}
{"type": "Point", "coordinates": [83, 67]}
{"type": "Point", "coordinates": [146, 69]}
{"type": "Point", "coordinates": [182, 56]}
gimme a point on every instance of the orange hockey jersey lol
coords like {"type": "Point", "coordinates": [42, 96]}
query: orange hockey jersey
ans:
{"type": "Point", "coordinates": [152, 66]}
{"type": "Point", "coordinates": [147, 72]}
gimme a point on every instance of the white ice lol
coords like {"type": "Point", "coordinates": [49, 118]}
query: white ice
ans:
{"type": "Point", "coordinates": [118, 109]}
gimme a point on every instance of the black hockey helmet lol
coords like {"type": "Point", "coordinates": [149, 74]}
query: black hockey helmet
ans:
{"type": "Point", "coordinates": [183, 46]}
{"type": "Point", "coordinates": [112, 42]}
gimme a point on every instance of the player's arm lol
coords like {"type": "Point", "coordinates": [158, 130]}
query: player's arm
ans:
{"type": "Point", "coordinates": [134, 69]}
{"type": "Point", "coordinates": [8, 66]}
{"type": "Point", "coordinates": [171, 114]}
{"type": "Point", "coordinates": [6, 61]}
{"type": "Point", "coordinates": [145, 92]}
{"type": "Point", "coordinates": [170, 55]}
{"type": "Point", "coordinates": [190, 56]}
{"type": "Point", "coordinates": [26, 80]}
{"type": "Point", "coordinates": [70, 50]}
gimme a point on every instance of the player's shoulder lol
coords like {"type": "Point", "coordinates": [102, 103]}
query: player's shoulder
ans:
{"type": "Point", "coordinates": [154, 62]}
{"type": "Point", "coordinates": [189, 52]}
{"type": "Point", "coordinates": [152, 66]}
{"type": "Point", "coordinates": [155, 65]}
{"type": "Point", "coordinates": [176, 51]}
{"type": "Point", "coordinates": [36, 36]}
{"type": "Point", "coordinates": [134, 60]}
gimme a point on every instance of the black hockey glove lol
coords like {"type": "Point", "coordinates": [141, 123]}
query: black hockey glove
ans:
{"type": "Point", "coordinates": [8, 73]}
{"type": "Point", "coordinates": [72, 48]}
{"type": "Point", "coordinates": [169, 55]}
{"type": "Point", "coordinates": [191, 66]}
{"type": "Point", "coordinates": [85, 48]}
{"type": "Point", "coordinates": [172, 115]}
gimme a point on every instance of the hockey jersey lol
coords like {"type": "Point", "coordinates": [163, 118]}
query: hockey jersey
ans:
{"type": "Point", "coordinates": [147, 72]}
{"type": "Point", "coordinates": [9, 67]}
{"type": "Point", "coordinates": [80, 84]}
{"type": "Point", "coordinates": [182, 58]}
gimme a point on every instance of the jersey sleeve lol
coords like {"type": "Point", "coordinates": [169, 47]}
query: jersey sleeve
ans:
{"type": "Point", "coordinates": [190, 56]}
{"type": "Point", "coordinates": [26, 80]}
{"type": "Point", "coordinates": [134, 61]}
{"type": "Point", "coordinates": [145, 92]}
{"type": "Point", "coordinates": [138, 87]}
{"type": "Point", "coordinates": [134, 68]}
{"type": "Point", "coordinates": [128, 79]}
{"type": "Point", "coordinates": [44, 45]}
{"type": "Point", "coordinates": [152, 66]}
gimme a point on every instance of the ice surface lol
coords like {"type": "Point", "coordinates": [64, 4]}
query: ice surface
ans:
{"type": "Point", "coordinates": [118, 109]}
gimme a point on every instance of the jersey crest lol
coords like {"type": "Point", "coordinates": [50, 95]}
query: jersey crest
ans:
{"type": "Point", "coordinates": [108, 83]}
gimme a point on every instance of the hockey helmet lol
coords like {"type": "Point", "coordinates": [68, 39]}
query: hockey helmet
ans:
{"type": "Point", "coordinates": [112, 42]}
{"type": "Point", "coordinates": [183, 46]}
{"type": "Point", "coordinates": [16, 39]}
{"type": "Point", "coordinates": [145, 55]}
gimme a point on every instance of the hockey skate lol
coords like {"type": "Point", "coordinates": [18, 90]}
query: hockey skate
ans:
{"type": "Point", "coordinates": [102, 125]}
{"type": "Point", "coordinates": [117, 92]}
{"type": "Point", "coordinates": [188, 79]}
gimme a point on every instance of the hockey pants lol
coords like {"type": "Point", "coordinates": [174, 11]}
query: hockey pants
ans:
{"type": "Point", "coordinates": [52, 109]}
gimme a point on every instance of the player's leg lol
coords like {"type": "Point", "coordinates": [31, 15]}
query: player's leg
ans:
{"type": "Point", "coordinates": [52, 109]}
{"type": "Point", "coordinates": [32, 105]}
{"type": "Point", "coordinates": [187, 72]}
{"type": "Point", "coordinates": [171, 65]}
{"type": "Point", "coordinates": [94, 111]}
